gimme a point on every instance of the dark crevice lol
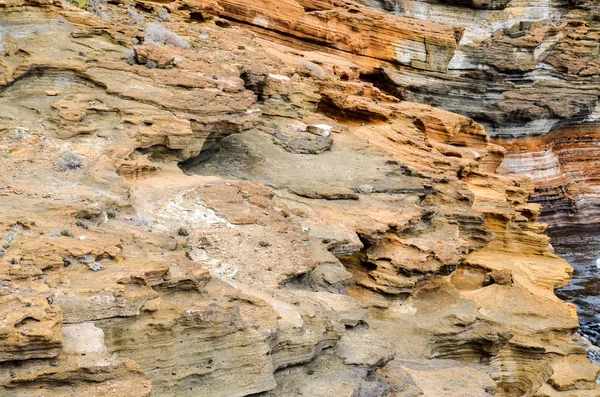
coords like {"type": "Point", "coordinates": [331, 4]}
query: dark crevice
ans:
{"type": "Point", "coordinates": [420, 125]}
{"type": "Point", "coordinates": [144, 8]}
{"type": "Point", "coordinates": [380, 80]}
{"type": "Point", "coordinates": [255, 82]}
{"type": "Point", "coordinates": [297, 281]}
{"type": "Point", "coordinates": [391, 6]}
{"type": "Point", "coordinates": [212, 143]}
{"type": "Point", "coordinates": [198, 16]}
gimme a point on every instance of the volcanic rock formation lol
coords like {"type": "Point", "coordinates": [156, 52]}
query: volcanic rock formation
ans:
{"type": "Point", "coordinates": [214, 198]}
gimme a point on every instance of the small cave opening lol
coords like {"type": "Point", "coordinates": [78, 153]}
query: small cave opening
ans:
{"type": "Point", "coordinates": [357, 262]}
{"type": "Point", "coordinates": [210, 148]}
{"type": "Point", "coordinates": [391, 6]}
{"type": "Point", "coordinates": [223, 23]}
{"type": "Point", "coordinates": [143, 7]}
{"type": "Point", "coordinates": [380, 80]}
{"type": "Point", "coordinates": [255, 82]}
{"type": "Point", "coordinates": [420, 125]}
{"type": "Point", "coordinates": [299, 281]}
{"type": "Point", "coordinates": [198, 17]}
{"type": "Point", "coordinates": [216, 140]}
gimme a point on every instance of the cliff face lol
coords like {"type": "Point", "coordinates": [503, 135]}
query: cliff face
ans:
{"type": "Point", "coordinates": [230, 206]}
{"type": "Point", "coordinates": [564, 168]}
{"type": "Point", "coordinates": [529, 72]}
{"type": "Point", "coordinates": [520, 70]}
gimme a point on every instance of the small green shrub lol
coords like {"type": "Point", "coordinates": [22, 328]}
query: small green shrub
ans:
{"type": "Point", "coordinates": [66, 233]}
{"type": "Point", "coordinates": [94, 6]}
{"type": "Point", "coordinates": [83, 4]}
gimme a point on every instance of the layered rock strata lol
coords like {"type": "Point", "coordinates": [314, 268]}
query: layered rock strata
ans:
{"type": "Point", "coordinates": [345, 26]}
{"type": "Point", "coordinates": [523, 69]}
{"type": "Point", "coordinates": [564, 167]}
{"type": "Point", "coordinates": [207, 212]}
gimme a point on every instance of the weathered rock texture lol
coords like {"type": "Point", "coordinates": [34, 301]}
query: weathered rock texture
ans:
{"type": "Point", "coordinates": [233, 211]}
{"type": "Point", "coordinates": [523, 69]}
{"type": "Point", "coordinates": [564, 167]}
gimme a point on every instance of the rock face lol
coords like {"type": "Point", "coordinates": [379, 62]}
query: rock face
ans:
{"type": "Point", "coordinates": [348, 27]}
{"type": "Point", "coordinates": [228, 205]}
{"type": "Point", "coordinates": [519, 78]}
{"type": "Point", "coordinates": [563, 166]}
{"type": "Point", "coordinates": [529, 72]}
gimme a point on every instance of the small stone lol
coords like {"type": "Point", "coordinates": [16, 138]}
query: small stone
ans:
{"type": "Point", "coordinates": [323, 130]}
{"type": "Point", "coordinates": [296, 127]}
{"type": "Point", "coordinates": [364, 348]}
{"type": "Point", "coordinates": [365, 189]}
{"type": "Point", "coordinates": [95, 267]}
{"type": "Point", "coordinates": [204, 35]}
{"type": "Point", "coordinates": [501, 277]}
{"type": "Point", "coordinates": [223, 23]}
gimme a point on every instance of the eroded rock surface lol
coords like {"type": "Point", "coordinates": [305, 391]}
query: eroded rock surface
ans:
{"type": "Point", "coordinates": [230, 210]}
{"type": "Point", "coordinates": [528, 71]}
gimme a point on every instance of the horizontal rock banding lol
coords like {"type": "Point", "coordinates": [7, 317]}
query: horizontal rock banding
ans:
{"type": "Point", "coordinates": [564, 168]}
{"type": "Point", "coordinates": [351, 28]}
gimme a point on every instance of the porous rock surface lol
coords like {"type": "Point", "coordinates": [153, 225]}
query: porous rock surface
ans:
{"type": "Point", "coordinates": [247, 216]}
